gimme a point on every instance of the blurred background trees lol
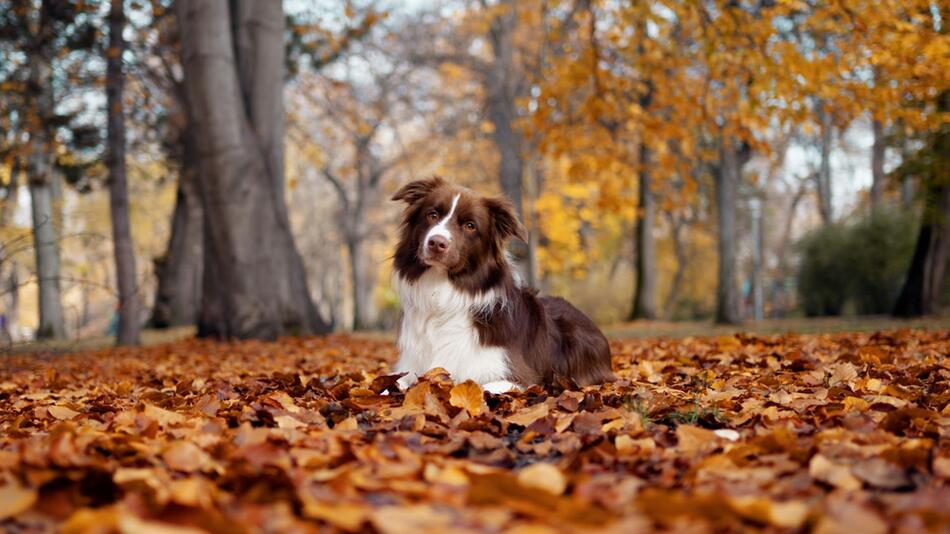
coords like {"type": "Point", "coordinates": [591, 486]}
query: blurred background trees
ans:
{"type": "Point", "coordinates": [720, 159]}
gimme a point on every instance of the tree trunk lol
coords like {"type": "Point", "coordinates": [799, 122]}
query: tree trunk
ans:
{"type": "Point", "coordinates": [501, 82]}
{"type": "Point", "coordinates": [535, 183]}
{"type": "Point", "coordinates": [361, 280]}
{"type": "Point", "coordinates": [254, 283]}
{"type": "Point", "coordinates": [39, 169]}
{"type": "Point", "coordinates": [727, 185]}
{"type": "Point", "coordinates": [644, 299]}
{"type": "Point", "coordinates": [758, 253]}
{"type": "Point", "coordinates": [502, 108]}
{"type": "Point", "coordinates": [824, 169]}
{"type": "Point", "coordinates": [924, 285]}
{"type": "Point", "coordinates": [122, 245]}
{"type": "Point", "coordinates": [9, 283]}
{"type": "Point", "coordinates": [179, 271]}
{"type": "Point", "coordinates": [10, 293]}
{"type": "Point", "coordinates": [877, 165]}
{"type": "Point", "coordinates": [679, 251]}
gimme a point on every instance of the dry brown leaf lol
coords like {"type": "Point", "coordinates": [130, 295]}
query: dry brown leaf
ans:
{"type": "Point", "coordinates": [839, 476]}
{"type": "Point", "coordinates": [15, 499]}
{"type": "Point", "coordinates": [526, 416]}
{"type": "Point", "coordinates": [787, 514]}
{"type": "Point", "coordinates": [186, 456]}
{"type": "Point", "coordinates": [543, 476]}
{"type": "Point", "coordinates": [692, 440]}
{"type": "Point", "coordinates": [62, 412]}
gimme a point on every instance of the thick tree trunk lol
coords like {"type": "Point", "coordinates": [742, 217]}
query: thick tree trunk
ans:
{"type": "Point", "coordinates": [824, 169]}
{"type": "Point", "coordinates": [727, 186]}
{"type": "Point", "coordinates": [877, 165]}
{"type": "Point", "coordinates": [644, 298]}
{"type": "Point", "coordinates": [179, 271]}
{"type": "Point", "coordinates": [122, 245]}
{"type": "Point", "coordinates": [501, 87]}
{"type": "Point", "coordinates": [502, 108]}
{"type": "Point", "coordinates": [254, 283]}
{"type": "Point", "coordinates": [924, 284]}
{"type": "Point", "coordinates": [41, 183]}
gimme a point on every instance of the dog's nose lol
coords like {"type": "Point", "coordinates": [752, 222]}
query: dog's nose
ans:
{"type": "Point", "coordinates": [438, 244]}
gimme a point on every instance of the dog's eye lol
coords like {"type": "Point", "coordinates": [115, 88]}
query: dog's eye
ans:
{"type": "Point", "coordinates": [470, 226]}
{"type": "Point", "coordinates": [432, 215]}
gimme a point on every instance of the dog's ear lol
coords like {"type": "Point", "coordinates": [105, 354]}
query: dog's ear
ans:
{"type": "Point", "coordinates": [413, 191]}
{"type": "Point", "coordinates": [504, 221]}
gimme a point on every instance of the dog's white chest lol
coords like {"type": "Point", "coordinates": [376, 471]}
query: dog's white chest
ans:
{"type": "Point", "coordinates": [437, 330]}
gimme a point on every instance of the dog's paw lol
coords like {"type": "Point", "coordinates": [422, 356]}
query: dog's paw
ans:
{"type": "Point", "coordinates": [500, 386]}
{"type": "Point", "coordinates": [406, 381]}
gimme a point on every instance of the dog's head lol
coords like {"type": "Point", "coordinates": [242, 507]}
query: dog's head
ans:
{"type": "Point", "coordinates": [453, 228]}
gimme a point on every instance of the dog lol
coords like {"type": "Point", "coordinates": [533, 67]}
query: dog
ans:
{"type": "Point", "coordinates": [465, 309]}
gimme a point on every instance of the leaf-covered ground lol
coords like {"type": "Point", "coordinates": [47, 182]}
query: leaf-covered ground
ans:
{"type": "Point", "coordinates": [826, 432]}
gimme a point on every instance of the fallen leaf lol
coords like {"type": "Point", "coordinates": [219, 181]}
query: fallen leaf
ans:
{"type": "Point", "coordinates": [839, 476]}
{"type": "Point", "coordinates": [787, 514]}
{"type": "Point", "coordinates": [186, 456]}
{"type": "Point", "coordinates": [543, 476]}
{"type": "Point", "coordinates": [15, 499]}
{"type": "Point", "coordinates": [62, 412]}
{"type": "Point", "coordinates": [469, 396]}
{"type": "Point", "coordinates": [526, 416]}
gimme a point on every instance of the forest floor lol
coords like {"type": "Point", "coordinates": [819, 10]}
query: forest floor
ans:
{"type": "Point", "coordinates": [832, 432]}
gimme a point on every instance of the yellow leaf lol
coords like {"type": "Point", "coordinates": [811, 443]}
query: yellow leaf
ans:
{"type": "Point", "coordinates": [468, 395]}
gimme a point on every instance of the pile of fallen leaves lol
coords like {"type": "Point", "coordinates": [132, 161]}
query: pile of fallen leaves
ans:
{"type": "Point", "coordinates": [832, 433]}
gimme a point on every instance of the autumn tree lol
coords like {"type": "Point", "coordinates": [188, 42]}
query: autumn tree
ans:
{"type": "Point", "coordinates": [254, 280]}
{"type": "Point", "coordinates": [129, 306]}
{"type": "Point", "coordinates": [360, 109]}
{"type": "Point", "coordinates": [46, 47]}
{"type": "Point", "coordinates": [923, 287]}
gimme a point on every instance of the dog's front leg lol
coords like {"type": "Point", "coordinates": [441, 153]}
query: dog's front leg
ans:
{"type": "Point", "coordinates": [500, 386]}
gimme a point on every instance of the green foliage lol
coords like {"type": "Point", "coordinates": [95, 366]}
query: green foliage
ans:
{"type": "Point", "coordinates": [861, 263]}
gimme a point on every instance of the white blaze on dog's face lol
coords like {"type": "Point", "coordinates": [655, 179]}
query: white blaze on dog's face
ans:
{"type": "Point", "coordinates": [451, 227]}
{"type": "Point", "coordinates": [438, 240]}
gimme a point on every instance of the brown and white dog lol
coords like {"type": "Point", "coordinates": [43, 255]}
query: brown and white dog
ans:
{"type": "Point", "coordinates": [465, 309]}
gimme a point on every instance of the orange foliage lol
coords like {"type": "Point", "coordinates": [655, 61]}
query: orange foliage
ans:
{"type": "Point", "coordinates": [747, 432]}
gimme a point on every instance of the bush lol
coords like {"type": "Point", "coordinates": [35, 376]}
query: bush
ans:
{"type": "Point", "coordinates": [859, 264]}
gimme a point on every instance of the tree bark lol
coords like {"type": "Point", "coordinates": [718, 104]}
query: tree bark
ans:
{"type": "Point", "coordinates": [501, 86]}
{"type": "Point", "coordinates": [361, 280]}
{"type": "Point", "coordinates": [824, 169]}
{"type": "Point", "coordinates": [680, 253]}
{"type": "Point", "coordinates": [9, 281]}
{"type": "Point", "coordinates": [179, 270]}
{"type": "Point", "coordinates": [758, 254]}
{"type": "Point", "coordinates": [877, 165]}
{"type": "Point", "coordinates": [122, 245]}
{"type": "Point", "coordinates": [502, 109]}
{"type": "Point", "coordinates": [924, 284]}
{"type": "Point", "coordinates": [254, 283]}
{"type": "Point", "coordinates": [644, 298]}
{"type": "Point", "coordinates": [39, 169]}
{"type": "Point", "coordinates": [923, 287]}
{"type": "Point", "coordinates": [727, 186]}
